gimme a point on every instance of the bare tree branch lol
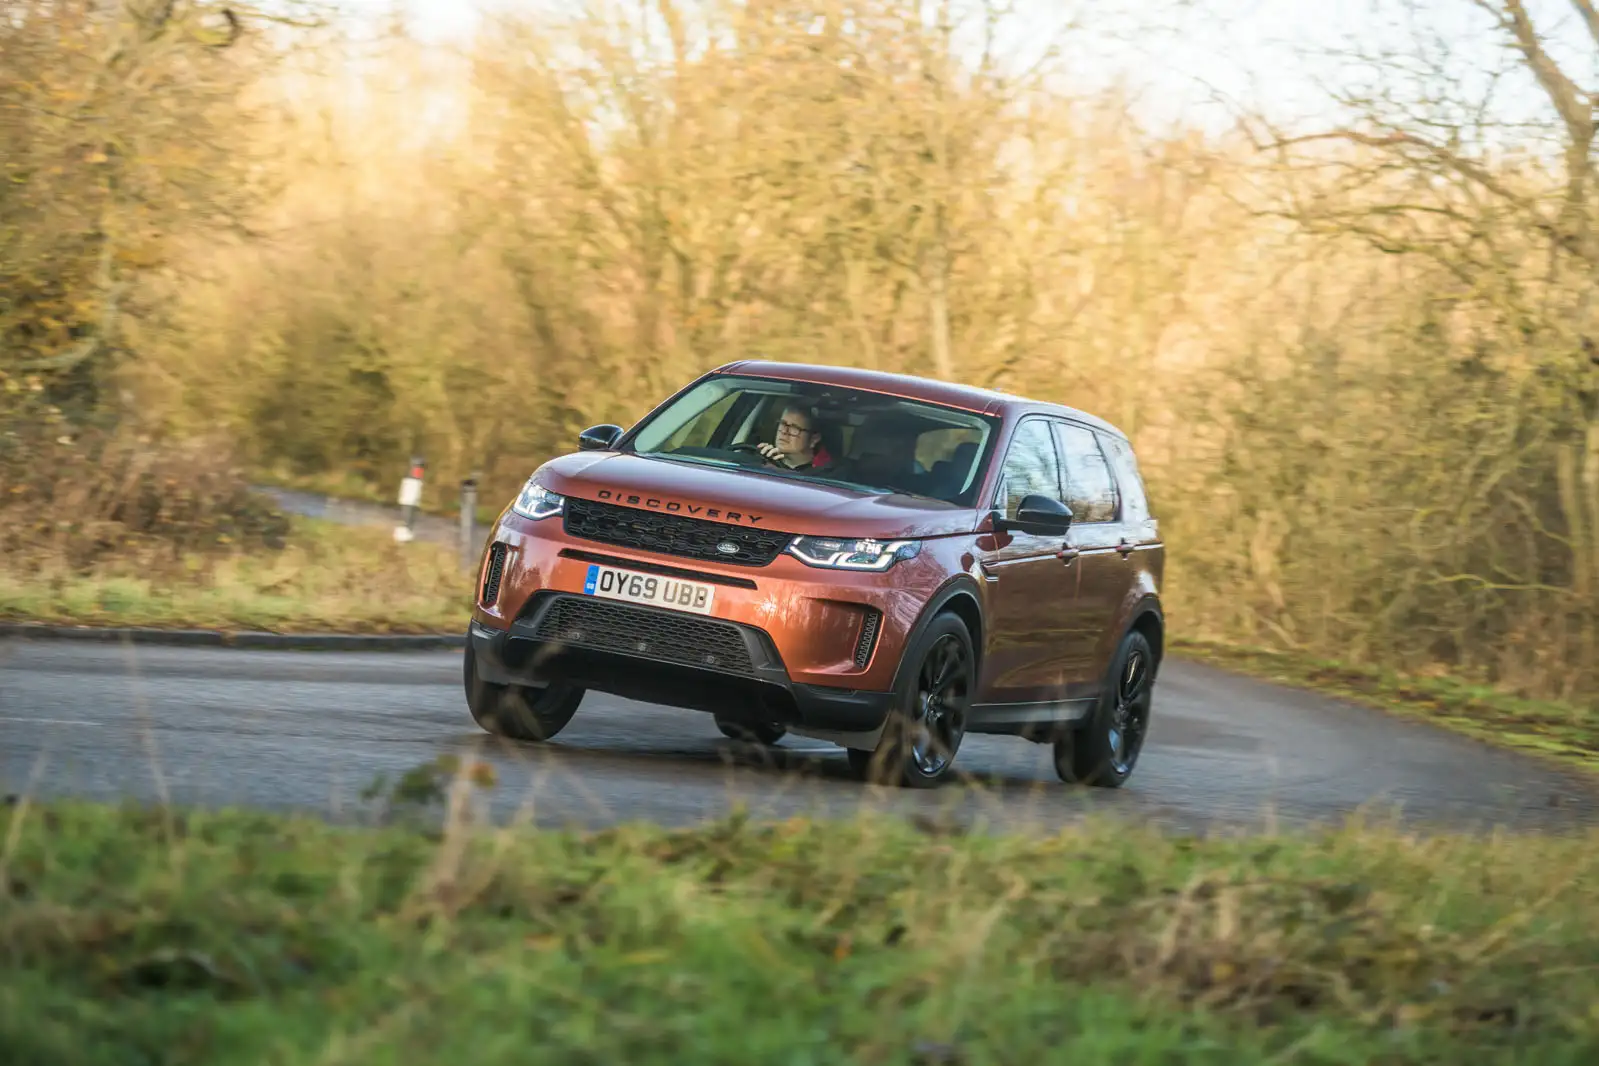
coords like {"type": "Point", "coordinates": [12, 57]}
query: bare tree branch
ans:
{"type": "Point", "coordinates": [1572, 104]}
{"type": "Point", "coordinates": [1590, 17]}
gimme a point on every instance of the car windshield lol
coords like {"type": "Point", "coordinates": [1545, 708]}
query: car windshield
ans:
{"type": "Point", "coordinates": [862, 440]}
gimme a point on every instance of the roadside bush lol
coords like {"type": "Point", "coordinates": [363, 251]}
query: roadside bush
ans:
{"type": "Point", "coordinates": [77, 493]}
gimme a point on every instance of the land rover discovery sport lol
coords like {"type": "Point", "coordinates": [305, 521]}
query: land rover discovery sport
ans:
{"type": "Point", "coordinates": [880, 561]}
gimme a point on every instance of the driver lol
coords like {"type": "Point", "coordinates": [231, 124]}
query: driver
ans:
{"type": "Point", "coordinates": [798, 443]}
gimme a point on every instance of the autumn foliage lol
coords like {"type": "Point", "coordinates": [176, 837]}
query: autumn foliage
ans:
{"type": "Point", "coordinates": [1359, 369]}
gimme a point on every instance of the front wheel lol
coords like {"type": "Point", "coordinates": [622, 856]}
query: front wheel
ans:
{"type": "Point", "coordinates": [928, 721]}
{"type": "Point", "coordinates": [1104, 752]}
{"type": "Point", "coordinates": [518, 712]}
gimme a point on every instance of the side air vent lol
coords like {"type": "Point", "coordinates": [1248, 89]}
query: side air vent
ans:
{"type": "Point", "coordinates": [868, 639]}
{"type": "Point", "coordinates": [496, 570]}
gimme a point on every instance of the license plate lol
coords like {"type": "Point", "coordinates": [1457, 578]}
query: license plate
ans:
{"type": "Point", "coordinates": [609, 583]}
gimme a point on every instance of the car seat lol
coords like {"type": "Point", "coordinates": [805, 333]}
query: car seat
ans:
{"type": "Point", "coordinates": [949, 475]}
{"type": "Point", "coordinates": [883, 457]}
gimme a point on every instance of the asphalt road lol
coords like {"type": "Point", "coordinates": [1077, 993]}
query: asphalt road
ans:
{"type": "Point", "coordinates": [309, 731]}
{"type": "Point", "coordinates": [426, 527]}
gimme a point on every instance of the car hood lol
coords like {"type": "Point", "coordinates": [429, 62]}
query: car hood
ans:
{"type": "Point", "coordinates": [747, 498]}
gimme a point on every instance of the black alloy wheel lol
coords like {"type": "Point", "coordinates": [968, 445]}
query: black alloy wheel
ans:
{"type": "Point", "coordinates": [924, 731]}
{"type": "Point", "coordinates": [1104, 752]}
{"type": "Point", "coordinates": [518, 712]}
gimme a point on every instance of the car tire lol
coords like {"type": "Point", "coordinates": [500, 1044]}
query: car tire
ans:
{"type": "Point", "coordinates": [927, 721]}
{"type": "Point", "coordinates": [1103, 752]}
{"type": "Point", "coordinates": [518, 712]}
{"type": "Point", "coordinates": [764, 733]}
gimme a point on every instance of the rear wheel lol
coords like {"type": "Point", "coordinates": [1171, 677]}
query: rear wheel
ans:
{"type": "Point", "coordinates": [1104, 752]}
{"type": "Point", "coordinates": [928, 721]}
{"type": "Point", "coordinates": [518, 712]}
{"type": "Point", "coordinates": [767, 733]}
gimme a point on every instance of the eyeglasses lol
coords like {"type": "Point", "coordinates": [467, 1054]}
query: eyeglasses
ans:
{"type": "Point", "coordinates": [792, 427]}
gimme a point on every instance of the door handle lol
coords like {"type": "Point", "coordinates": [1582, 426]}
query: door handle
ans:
{"type": "Point", "coordinates": [1068, 555]}
{"type": "Point", "coordinates": [1126, 547]}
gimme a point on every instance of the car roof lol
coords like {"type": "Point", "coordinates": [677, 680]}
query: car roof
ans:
{"type": "Point", "coordinates": [908, 386]}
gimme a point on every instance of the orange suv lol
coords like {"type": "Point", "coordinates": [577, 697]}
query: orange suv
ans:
{"type": "Point", "coordinates": [879, 561]}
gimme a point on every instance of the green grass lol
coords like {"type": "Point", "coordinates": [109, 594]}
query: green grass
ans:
{"type": "Point", "coordinates": [1567, 733]}
{"type": "Point", "coordinates": [157, 937]}
{"type": "Point", "coordinates": [327, 578]}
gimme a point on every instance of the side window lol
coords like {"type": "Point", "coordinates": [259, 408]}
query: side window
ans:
{"type": "Point", "coordinates": [1031, 466]}
{"type": "Point", "coordinates": [1135, 496]}
{"type": "Point", "coordinates": [1090, 488]}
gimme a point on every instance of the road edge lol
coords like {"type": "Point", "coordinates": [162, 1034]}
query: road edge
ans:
{"type": "Point", "coordinates": [1200, 652]}
{"type": "Point", "coordinates": [224, 638]}
{"type": "Point", "coordinates": [1236, 660]}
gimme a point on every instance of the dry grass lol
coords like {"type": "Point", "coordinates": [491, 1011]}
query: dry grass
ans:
{"type": "Point", "coordinates": [325, 578]}
{"type": "Point", "coordinates": [114, 527]}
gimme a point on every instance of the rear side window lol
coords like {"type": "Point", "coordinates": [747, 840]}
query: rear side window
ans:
{"type": "Point", "coordinates": [1136, 506]}
{"type": "Point", "coordinates": [1031, 466]}
{"type": "Point", "coordinates": [1090, 488]}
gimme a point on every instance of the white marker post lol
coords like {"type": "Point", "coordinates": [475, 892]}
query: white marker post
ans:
{"type": "Point", "coordinates": [410, 499]}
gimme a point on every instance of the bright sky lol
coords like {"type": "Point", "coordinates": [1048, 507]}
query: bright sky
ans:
{"type": "Point", "coordinates": [1184, 51]}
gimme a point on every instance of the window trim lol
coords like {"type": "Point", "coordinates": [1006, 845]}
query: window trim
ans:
{"type": "Point", "coordinates": [991, 421]}
{"type": "Point", "coordinates": [1125, 461]}
{"type": "Point", "coordinates": [1118, 515]}
{"type": "Point", "coordinates": [996, 501]}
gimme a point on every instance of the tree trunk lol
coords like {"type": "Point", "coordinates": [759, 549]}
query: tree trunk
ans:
{"type": "Point", "coordinates": [938, 311]}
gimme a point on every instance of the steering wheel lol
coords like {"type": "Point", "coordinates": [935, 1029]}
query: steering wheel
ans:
{"type": "Point", "coordinates": [749, 446]}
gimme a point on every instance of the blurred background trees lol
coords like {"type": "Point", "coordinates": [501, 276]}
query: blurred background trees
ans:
{"type": "Point", "coordinates": [1358, 357]}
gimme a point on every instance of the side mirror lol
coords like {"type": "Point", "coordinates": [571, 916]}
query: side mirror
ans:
{"type": "Point", "coordinates": [599, 438]}
{"type": "Point", "coordinates": [1038, 514]}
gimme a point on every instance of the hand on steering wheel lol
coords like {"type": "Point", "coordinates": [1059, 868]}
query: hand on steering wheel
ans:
{"type": "Point", "coordinates": [768, 452]}
{"type": "Point", "coordinates": [772, 455]}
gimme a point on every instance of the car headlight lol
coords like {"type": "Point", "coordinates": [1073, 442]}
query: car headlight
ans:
{"type": "Point", "coordinates": [833, 554]}
{"type": "Point", "coordinates": [536, 502]}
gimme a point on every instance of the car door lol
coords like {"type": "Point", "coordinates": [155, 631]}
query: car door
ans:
{"type": "Point", "coordinates": [1030, 586]}
{"type": "Point", "coordinates": [1104, 572]}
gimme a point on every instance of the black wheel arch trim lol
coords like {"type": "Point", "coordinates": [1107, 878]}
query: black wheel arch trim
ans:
{"type": "Point", "coordinates": [958, 586]}
{"type": "Point", "coordinates": [1148, 606]}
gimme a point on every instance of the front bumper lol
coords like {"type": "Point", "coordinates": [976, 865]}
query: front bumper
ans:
{"type": "Point", "coordinates": [530, 652]}
{"type": "Point", "coordinates": [815, 650]}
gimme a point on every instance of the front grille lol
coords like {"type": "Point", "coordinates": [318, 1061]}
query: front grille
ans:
{"type": "Point", "coordinates": [672, 637]}
{"type": "Point", "coordinates": [496, 570]}
{"type": "Point", "coordinates": [671, 534]}
{"type": "Point", "coordinates": [868, 640]}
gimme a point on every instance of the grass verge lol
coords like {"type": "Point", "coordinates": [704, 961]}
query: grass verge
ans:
{"type": "Point", "coordinates": [153, 936]}
{"type": "Point", "coordinates": [1565, 732]}
{"type": "Point", "coordinates": [327, 578]}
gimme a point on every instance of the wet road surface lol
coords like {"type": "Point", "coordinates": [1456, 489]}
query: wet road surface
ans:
{"type": "Point", "coordinates": [309, 731]}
